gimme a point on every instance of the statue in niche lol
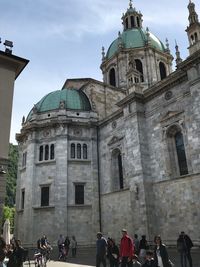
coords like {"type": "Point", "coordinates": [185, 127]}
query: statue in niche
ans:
{"type": "Point", "coordinates": [62, 104]}
{"type": "Point", "coordinates": [132, 65]}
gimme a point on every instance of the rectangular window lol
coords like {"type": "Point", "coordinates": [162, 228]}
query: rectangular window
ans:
{"type": "Point", "coordinates": [24, 156]}
{"type": "Point", "coordinates": [79, 194]}
{"type": "Point", "coordinates": [45, 196]}
{"type": "Point", "coordinates": [22, 199]}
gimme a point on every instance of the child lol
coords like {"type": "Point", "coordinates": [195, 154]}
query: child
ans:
{"type": "Point", "coordinates": [150, 262]}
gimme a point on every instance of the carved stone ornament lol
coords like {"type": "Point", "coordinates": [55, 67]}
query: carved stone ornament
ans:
{"type": "Point", "coordinates": [46, 133]}
{"type": "Point", "coordinates": [115, 139]}
{"type": "Point", "coordinates": [168, 95]}
{"type": "Point", "coordinates": [170, 114]}
{"type": "Point", "coordinates": [77, 132]}
{"type": "Point", "coordinates": [62, 104]}
{"type": "Point", "coordinates": [114, 124]}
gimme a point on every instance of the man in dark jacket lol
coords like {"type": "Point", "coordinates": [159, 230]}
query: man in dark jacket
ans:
{"type": "Point", "coordinates": [184, 245]}
{"type": "Point", "coordinates": [101, 246]}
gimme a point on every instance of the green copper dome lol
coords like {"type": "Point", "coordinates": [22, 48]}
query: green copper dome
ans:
{"type": "Point", "coordinates": [135, 38]}
{"type": "Point", "coordinates": [70, 99]}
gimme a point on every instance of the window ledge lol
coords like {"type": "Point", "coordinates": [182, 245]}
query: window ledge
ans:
{"type": "Point", "coordinates": [79, 160]}
{"type": "Point", "coordinates": [176, 178]}
{"type": "Point", "coordinates": [52, 161]}
{"type": "Point", "coordinates": [117, 191]}
{"type": "Point", "coordinates": [84, 206]}
{"type": "Point", "coordinates": [20, 211]}
{"type": "Point", "coordinates": [23, 169]}
{"type": "Point", "coordinates": [43, 207]}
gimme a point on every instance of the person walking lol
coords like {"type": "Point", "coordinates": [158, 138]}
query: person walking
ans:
{"type": "Point", "coordinates": [126, 249]}
{"type": "Point", "coordinates": [60, 244]}
{"type": "Point", "coordinates": [73, 246]}
{"type": "Point", "coordinates": [101, 247]}
{"type": "Point", "coordinates": [143, 247]}
{"type": "Point", "coordinates": [160, 253]}
{"type": "Point", "coordinates": [67, 244]}
{"type": "Point", "coordinates": [136, 243]}
{"type": "Point", "coordinates": [18, 253]}
{"type": "Point", "coordinates": [184, 245]}
{"type": "Point", "coordinates": [113, 253]}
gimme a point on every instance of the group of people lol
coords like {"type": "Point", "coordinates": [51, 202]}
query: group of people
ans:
{"type": "Point", "coordinates": [13, 254]}
{"type": "Point", "coordinates": [137, 253]}
{"type": "Point", "coordinates": [44, 248]}
{"type": "Point", "coordinates": [64, 244]}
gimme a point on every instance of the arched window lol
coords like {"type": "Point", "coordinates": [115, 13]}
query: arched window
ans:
{"type": "Point", "coordinates": [73, 151]}
{"type": "Point", "coordinates": [41, 153]}
{"type": "Point", "coordinates": [195, 37]}
{"type": "Point", "coordinates": [132, 22]}
{"type": "Point", "coordinates": [52, 154]}
{"type": "Point", "coordinates": [85, 151]}
{"type": "Point", "coordinates": [192, 39]}
{"type": "Point", "coordinates": [139, 67]}
{"type": "Point", "coordinates": [46, 157]}
{"type": "Point", "coordinates": [117, 170]}
{"type": "Point", "coordinates": [162, 68]}
{"type": "Point", "coordinates": [138, 22]}
{"type": "Point", "coordinates": [126, 23]}
{"type": "Point", "coordinates": [112, 77]}
{"type": "Point", "coordinates": [78, 151]}
{"type": "Point", "coordinates": [176, 151]}
{"type": "Point", "coordinates": [180, 149]}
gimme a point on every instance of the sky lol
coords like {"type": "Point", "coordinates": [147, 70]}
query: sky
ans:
{"type": "Point", "coordinates": [63, 39]}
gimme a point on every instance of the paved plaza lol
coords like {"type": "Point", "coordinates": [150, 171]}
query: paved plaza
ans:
{"type": "Point", "coordinates": [86, 258]}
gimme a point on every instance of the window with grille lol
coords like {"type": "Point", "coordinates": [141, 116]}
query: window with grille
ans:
{"type": "Point", "coordinates": [79, 194]}
{"type": "Point", "coordinates": [45, 196]}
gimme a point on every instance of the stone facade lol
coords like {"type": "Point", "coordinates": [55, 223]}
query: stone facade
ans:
{"type": "Point", "coordinates": [142, 169]}
{"type": "Point", "coordinates": [10, 68]}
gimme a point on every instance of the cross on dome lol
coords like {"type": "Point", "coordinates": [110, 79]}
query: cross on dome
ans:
{"type": "Point", "coordinates": [131, 4]}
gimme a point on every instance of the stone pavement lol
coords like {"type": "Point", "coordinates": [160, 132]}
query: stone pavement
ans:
{"type": "Point", "coordinates": [86, 258]}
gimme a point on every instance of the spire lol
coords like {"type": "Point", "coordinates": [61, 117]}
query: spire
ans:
{"type": "Point", "coordinates": [178, 58]}
{"type": "Point", "coordinates": [167, 46]}
{"type": "Point", "coordinates": [193, 16]}
{"type": "Point", "coordinates": [193, 30]}
{"type": "Point", "coordinates": [148, 41]}
{"type": "Point", "coordinates": [131, 4]}
{"type": "Point", "coordinates": [120, 42]}
{"type": "Point", "coordinates": [103, 53]}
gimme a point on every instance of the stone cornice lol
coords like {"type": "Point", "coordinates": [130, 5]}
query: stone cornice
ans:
{"type": "Point", "coordinates": [130, 98]}
{"type": "Point", "coordinates": [88, 81]}
{"type": "Point", "coordinates": [34, 126]}
{"type": "Point", "coordinates": [170, 81]}
{"type": "Point", "coordinates": [13, 61]}
{"type": "Point", "coordinates": [190, 61]}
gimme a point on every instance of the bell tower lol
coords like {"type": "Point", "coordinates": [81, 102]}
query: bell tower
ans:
{"type": "Point", "coordinates": [193, 30]}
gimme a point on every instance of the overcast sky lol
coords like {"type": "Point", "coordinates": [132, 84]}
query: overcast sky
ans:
{"type": "Point", "coordinates": [63, 39]}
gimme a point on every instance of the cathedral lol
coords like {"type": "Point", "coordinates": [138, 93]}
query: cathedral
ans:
{"type": "Point", "coordinates": [119, 153]}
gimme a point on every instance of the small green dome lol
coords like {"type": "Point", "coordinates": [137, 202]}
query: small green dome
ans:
{"type": "Point", "coordinates": [71, 99]}
{"type": "Point", "coordinates": [135, 38]}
